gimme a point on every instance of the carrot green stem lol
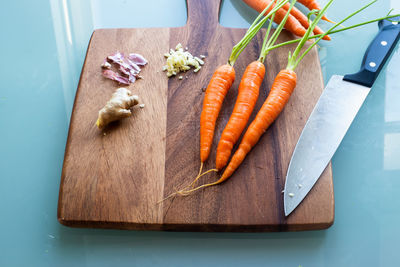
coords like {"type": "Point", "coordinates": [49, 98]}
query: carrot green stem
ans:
{"type": "Point", "coordinates": [294, 59]}
{"type": "Point", "coordinates": [270, 41]}
{"type": "Point", "coordinates": [252, 31]}
{"type": "Point", "coordinates": [335, 31]}
{"type": "Point", "coordinates": [266, 35]}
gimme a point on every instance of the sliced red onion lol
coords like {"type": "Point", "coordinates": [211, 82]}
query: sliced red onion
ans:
{"type": "Point", "coordinates": [132, 78]}
{"type": "Point", "coordinates": [133, 65]}
{"type": "Point", "coordinates": [115, 76]}
{"type": "Point", "coordinates": [106, 65]}
{"type": "Point", "coordinates": [116, 58]}
{"type": "Point", "coordinates": [127, 66]}
{"type": "Point", "coordinates": [124, 70]}
{"type": "Point", "coordinates": [137, 59]}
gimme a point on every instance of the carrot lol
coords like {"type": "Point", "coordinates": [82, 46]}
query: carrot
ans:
{"type": "Point", "coordinates": [279, 95]}
{"type": "Point", "coordinates": [218, 87]}
{"type": "Point", "coordinates": [248, 94]}
{"type": "Point", "coordinates": [310, 4]}
{"type": "Point", "coordinates": [332, 31]}
{"type": "Point", "coordinates": [304, 20]}
{"type": "Point", "coordinates": [313, 4]}
{"type": "Point", "coordinates": [222, 80]}
{"type": "Point", "coordinates": [296, 24]}
{"type": "Point", "coordinates": [220, 84]}
{"type": "Point", "coordinates": [281, 90]}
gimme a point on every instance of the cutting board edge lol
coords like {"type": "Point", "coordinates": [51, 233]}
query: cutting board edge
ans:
{"type": "Point", "coordinates": [60, 210]}
{"type": "Point", "coordinates": [232, 228]}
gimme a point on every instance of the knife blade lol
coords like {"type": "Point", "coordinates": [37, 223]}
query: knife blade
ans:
{"type": "Point", "coordinates": [332, 116]}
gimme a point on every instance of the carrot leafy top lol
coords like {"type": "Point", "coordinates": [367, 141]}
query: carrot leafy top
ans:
{"type": "Point", "coordinates": [253, 30]}
{"type": "Point", "coordinates": [269, 41]}
{"type": "Point", "coordinates": [295, 58]}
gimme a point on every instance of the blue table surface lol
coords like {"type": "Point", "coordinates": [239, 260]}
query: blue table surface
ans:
{"type": "Point", "coordinates": [44, 44]}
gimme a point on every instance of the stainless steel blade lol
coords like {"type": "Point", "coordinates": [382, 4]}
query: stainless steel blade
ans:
{"type": "Point", "coordinates": [321, 136]}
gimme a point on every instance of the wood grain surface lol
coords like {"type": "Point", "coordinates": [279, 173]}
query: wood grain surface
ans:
{"type": "Point", "coordinates": [114, 178]}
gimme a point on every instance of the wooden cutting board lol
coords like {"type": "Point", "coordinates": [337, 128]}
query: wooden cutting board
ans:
{"type": "Point", "coordinates": [114, 178]}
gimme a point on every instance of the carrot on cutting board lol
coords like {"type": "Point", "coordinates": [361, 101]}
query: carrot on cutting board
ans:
{"type": "Point", "coordinates": [216, 91]}
{"type": "Point", "coordinates": [297, 23]}
{"type": "Point", "coordinates": [281, 90]}
{"type": "Point", "coordinates": [279, 95]}
{"type": "Point", "coordinates": [222, 80]}
{"type": "Point", "coordinates": [247, 96]}
{"type": "Point", "coordinates": [246, 100]}
{"type": "Point", "coordinates": [219, 86]}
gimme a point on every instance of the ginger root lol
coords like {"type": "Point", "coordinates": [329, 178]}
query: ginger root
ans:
{"type": "Point", "coordinates": [118, 107]}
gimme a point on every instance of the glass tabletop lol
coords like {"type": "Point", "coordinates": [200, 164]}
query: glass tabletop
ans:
{"type": "Point", "coordinates": [44, 45]}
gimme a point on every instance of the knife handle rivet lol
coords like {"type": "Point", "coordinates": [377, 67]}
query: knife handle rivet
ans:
{"type": "Point", "coordinates": [372, 64]}
{"type": "Point", "coordinates": [384, 43]}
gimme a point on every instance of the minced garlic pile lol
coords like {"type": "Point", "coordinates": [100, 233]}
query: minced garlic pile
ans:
{"type": "Point", "coordinates": [180, 61]}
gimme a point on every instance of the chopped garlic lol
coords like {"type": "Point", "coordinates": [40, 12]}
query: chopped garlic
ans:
{"type": "Point", "coordinates": [202, 56]}
{"type": "Point", "coordinates": [141, 106]}
{"type": "Point", "coordinates": [291, 195]}
{"type": "Point", "coordinates": [180, 61]}
{"type": "Point", "coordinates": [199, 60]}
{"type": "Point", "coordinates": [180, 77]}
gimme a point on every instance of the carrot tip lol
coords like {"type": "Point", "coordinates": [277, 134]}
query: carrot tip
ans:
{"type": "Point", "coordinates": [327, 38]}
{"type": "Point", "coordinates": [328, 20]}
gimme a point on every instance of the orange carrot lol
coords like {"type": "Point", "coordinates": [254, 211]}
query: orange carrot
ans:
{"type": "Point", "coordinates": [297, 23]}
{"type": "Point", "coordinates": [248, 93]}
{"type": "Point", "coordinates": [222, 80]}
{"type": "Point", "coordinates": [281, 90]}
{"type": "Point", "coordinates": [313, 4]}
{"type": "Point", "coordinates": [310, 4]}
{"type": "Point", "coordinates": [218, 87]}
{"type": "Point", "coordinates": [304, 20]}
{"type": "Point", "coordinates": [245, 103]}
{"type": "Point", "coordinates": [247, 98]}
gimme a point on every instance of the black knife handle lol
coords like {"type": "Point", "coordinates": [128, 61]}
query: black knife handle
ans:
{"type": "Point", "coordinates": [377, 54]}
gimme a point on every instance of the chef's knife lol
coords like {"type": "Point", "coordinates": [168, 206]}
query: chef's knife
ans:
{"type": "Point", "coordinates": [332, 116]}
